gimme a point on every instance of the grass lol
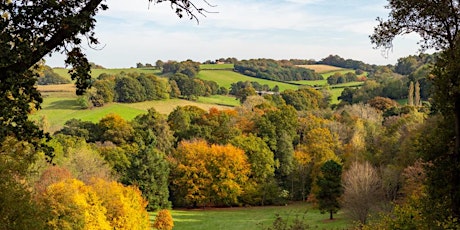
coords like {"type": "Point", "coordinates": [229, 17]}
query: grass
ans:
{"type": "Point", "coordinates": [225, 78]}
{"type": "Point", "coordinates": [216, 66]}
{"type": "Point", "coordinates": [321, 68]}
{"type": "Point", "coordinates": [342, 71]}
{"type": "Point", "coordinates": [348, 84]}
{"type": "Point", "coordinates": [220, 100]}
{"type": "Point", "coordinates": [312, 82]}
{"type": "Point", "coordinates": [254, 218]}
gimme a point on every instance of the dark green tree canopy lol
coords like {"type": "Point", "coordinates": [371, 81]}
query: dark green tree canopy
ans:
{"type": "Point", "coordinates": [330, 187]}
{"type": "Point", "coordinates": [437, 22]}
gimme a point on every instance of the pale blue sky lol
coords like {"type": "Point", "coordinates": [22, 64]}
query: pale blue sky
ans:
{"type": "Point", "coordinates": [304, 29]}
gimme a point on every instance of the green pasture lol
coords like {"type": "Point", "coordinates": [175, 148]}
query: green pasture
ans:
{"type": "Point", "coordinates": [58, 110]}
{"type": "Point", "coordinates": [216, 66]}
{"type": "Point", "coordinates": [254, 218]}
{"type": "Point", "coordinates": [311, 82]}
{"type": "Point", "coordinates": [225, 78]}
{"type": "Point", "coordinates": [220, 100]}
{"type": "Point", "coordinates": [335, 93]}
{"type": "Point", "coordinates": [348, 84]}
{"type": "Point", "coordinates": [342, 71]}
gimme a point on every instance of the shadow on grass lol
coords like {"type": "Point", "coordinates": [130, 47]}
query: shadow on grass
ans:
{"type": "Point", "coordinates": [63, 104]}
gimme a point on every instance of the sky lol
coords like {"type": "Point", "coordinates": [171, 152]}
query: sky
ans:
{"type": "Point", "coordinates": [279, 29]}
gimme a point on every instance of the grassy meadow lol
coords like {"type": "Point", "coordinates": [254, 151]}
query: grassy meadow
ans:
{"type": "Point", "coordinates": [319, 68]}
{"type": "Point", "coordinates": [216, 66]}
{"type": "Point", "coordinates": [254, 218]}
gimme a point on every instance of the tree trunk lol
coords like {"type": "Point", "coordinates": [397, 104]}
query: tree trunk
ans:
{"type": "Point", "coordinates": [331, 213]}
{"type": "Point", "coordinates": [455, 193]}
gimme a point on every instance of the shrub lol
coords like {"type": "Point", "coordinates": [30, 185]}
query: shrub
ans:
{"type": "Point", "coordinates": [163, 220]}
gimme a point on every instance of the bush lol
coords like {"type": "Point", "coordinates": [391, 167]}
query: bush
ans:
{"type": "Point", "coordinates": [163, 220]}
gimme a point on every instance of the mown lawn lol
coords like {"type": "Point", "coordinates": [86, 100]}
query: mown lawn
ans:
{"type": "Point", "coordinates": [254, 218]}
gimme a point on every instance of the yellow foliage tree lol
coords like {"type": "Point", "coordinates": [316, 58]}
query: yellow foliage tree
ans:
{"type": "Point", "coordinates": [126, 208]}
{"type": "Point", "coordinates": [208, 175]}
{"type": "Point", "coordinates": [73, 205]}
{"type": "Point", "coordinates": [163, 220]}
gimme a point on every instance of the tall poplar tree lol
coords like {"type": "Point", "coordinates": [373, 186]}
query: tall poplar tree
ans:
{"type": "Point", "coordinates": [410, 96]}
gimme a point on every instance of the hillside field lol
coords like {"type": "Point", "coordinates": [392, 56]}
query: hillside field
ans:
{"type": "Point", "coordinates": [321, 68]}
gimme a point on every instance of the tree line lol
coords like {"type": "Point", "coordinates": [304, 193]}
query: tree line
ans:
{"type": "Point", "coordinates": [275, 70]}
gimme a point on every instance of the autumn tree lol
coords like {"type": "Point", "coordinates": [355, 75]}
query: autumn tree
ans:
{"type": "Point", "coordinates": [73, 205]}
{"type": "Point", "coordinates": [163, 220]}
{"type": "Point", "coordinates": [362, 191]}
{"type": "Point", "coordinates": [115, 129]}
{"type": "Point", "coordinates": [437, 23]}
{"type": "Point", "coordinates": [330, 187]}
{"type": "Point", "coordinates": [410, 95]}
{"type": "Point", "coordinates": [126, 208]}
{"type": "Point", "coordinates": [52, 174]}
{"type": "Point", "coordinates": [208, 175]}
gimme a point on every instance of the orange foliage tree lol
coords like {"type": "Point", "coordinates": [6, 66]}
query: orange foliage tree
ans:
{"type": "Point", "coordinates": [208, 175]}
{"type": "Point", "coordinates": [163, 220]}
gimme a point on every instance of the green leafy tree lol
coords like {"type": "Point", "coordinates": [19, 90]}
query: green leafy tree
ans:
{"type": "Point", "coordinates": [330, 187]}
{"type": "Point", "coordinates": [105, 89]}
{"type": "Point", "coordinates": [184, 122]}
{"type": "Point", "coordinates": [17, 208]}
{"type": "Point", "coordinates": [129, 90]}
{"type": "Point", "coordinates": [263, 164]}
{"type": "Point", "coordinates": [149, 171]}
{"type": "Point", "coordinates": [152, 129]}
{"type": "Point", "coordinates": [437, 23]}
